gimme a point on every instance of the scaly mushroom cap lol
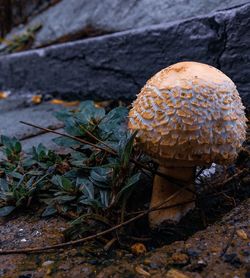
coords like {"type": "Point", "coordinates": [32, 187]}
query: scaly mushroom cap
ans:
{"type": "Point", "coordinates": [191, 113]}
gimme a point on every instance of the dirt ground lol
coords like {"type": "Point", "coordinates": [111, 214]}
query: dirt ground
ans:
{"type": "Point", "coordinates": [221, 250]}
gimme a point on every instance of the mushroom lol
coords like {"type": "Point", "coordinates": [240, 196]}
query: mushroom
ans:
{"type": "Point", "coordinates": [187, 115]}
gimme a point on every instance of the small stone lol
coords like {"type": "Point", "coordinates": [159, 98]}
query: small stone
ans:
{"type": "Point", "coordinates": [229, 257]}
{"type": "Point", "coordinates": [25, 275]}
{"type": "Point", "coordinates": [242, 234]}
{"type": "Point", "coordinates": [141, 271]}
{"type": "Point", "coordinates": [47, 263]}
{"type": "Point", "coordinates": [192, 253]}
{"type": "Point", "coordinates": [93, 262]}
{"type": "Point", "coordinates": [180, 258]}
{"type": "Point", "coordinates": [201, 262]}
{"type": "Point", "coordinates": [246, 253]}
{"type": "Point", "coordinates": [174, 273]}
{"type": "Point", "coordinates": [147, 262]}
{"type": "Point", "coordinates": [233, 259]}
{"type": "Point", "coordinates": [138, 249]}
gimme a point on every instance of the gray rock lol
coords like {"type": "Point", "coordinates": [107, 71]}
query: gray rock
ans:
{"type": "Point", "coordinates": [116, 66]}
{"type": "Point", "coordinates": [79, 18]}
{"type": "Point", "coordinates": [41, 115]}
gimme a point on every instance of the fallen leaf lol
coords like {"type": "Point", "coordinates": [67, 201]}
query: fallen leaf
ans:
{"type": "Point", "coordinates": [4, 95]}
{"type": "Point", "coordinates": [65, 103]}
{"type": "Point", "coordinates": [36, 99]}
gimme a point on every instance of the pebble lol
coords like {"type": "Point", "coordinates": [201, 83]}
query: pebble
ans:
{"type": "Point", "coordinates": [242, 234]}
{"type": "Point", "coordinates": [47, 263]}
{"type": "Point", "coordinates": [25, 276]}
{"type": "Point", "coordinates": [233, 259]}
{"type": "Point", "coordinates": [141, 271]}
{"type": "Point", "coordinates": [180, 258]}
{"type": "Point", "coordinates": [192, 253]}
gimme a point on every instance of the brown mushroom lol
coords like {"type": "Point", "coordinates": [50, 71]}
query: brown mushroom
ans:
{"type": "Point", "coordinates": [187, 115]}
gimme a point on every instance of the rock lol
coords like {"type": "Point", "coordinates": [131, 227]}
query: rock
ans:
{"type": "Point", "coordinates": [139, 270]}
{"type": "Point", "coordinates": [233, 259]}
{"type": "Point", "coordinates": [47, 263]}
{"type": "Point", "coordinates": [180, 258]}
{"type": "Point", "coordinates": [192, 253]}
{"type": "Point", "coordinates": [117, 66]}
{"type": "Point", "coordinates": [242, 234]}
{"type": "Point", "coordinates": [80, 18]}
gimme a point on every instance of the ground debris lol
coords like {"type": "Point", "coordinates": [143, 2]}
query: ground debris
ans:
{"type": "Point", "coordinates": [174, 273]}
{"type": "Point", "coordinates": [138, 249]}
{"type": "Point", "coordinates": [242, 234]}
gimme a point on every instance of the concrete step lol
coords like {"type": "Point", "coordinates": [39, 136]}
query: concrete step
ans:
{"type": "Point", "coordinates": [116, 66]}
{"type": "Point", "coordinates": [15, 111]}
{"type": "Point", "coordinates": [78, 19]}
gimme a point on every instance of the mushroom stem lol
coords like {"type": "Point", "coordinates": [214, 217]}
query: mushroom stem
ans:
{"type": "Point", "coordinates": [162, 189]}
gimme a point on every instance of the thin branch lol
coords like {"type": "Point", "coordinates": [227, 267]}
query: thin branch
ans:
{"type": "Point", "coordinates": [69, 136]}
{"type": "Point", "coordinates": [91, 237]}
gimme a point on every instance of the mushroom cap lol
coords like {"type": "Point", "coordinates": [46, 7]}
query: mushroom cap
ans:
{"type": "Point", "coordinates": [189, 114]}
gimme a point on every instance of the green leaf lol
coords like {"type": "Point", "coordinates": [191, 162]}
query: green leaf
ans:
{"type": "Point", "coordinates": [18, 147]}
{"type": "Point", "coordinates": [4, 185]}
{"type": "Point", "coordinates": [49, 211]}
{"type": "Point", "coordinates": [66, 142]}
{"type": "Point", "coordinates": [16, 175]}
{"type": "Point", "coordinates": [86, 186]}
{"type": "Point", "coordinates": [64, 199]}
{"type": "Point", "coordinates": [88, 112]}
{"type": "Point", "coordinates": [104, 198]}
{"type": "Point", "coordinates": [101, 176]}
{"type": "Point", "coordinates": [5, 211]}
{"type": "Point", "coordinates": [78, 159]}
{"type": "Point", "coordinates": [6, 141]}
{"type": "Point", "coordinates": [72, 127]}
{"type": "Point", "coordinates": [126, 149]}
{"type": "Point", "coordinates": [62, 115]}
{"type": "Point", "coordinates": [62, 182]}
{"type": "Point", "coordinates": [114, 125]}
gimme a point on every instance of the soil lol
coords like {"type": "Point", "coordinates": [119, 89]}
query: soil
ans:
{"type": "Point", "coordinates": [221, 250]}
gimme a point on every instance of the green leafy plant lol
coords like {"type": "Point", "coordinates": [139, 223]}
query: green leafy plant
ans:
{"type": "Point", "coordinates": [92, 179]}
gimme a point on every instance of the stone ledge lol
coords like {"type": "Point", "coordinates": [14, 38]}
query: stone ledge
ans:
{"type": "Point", "coordinates": [116, 66]}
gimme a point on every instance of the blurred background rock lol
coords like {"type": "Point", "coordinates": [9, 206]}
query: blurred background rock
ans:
{"type": "Point", "coordinates": [67, 20]}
